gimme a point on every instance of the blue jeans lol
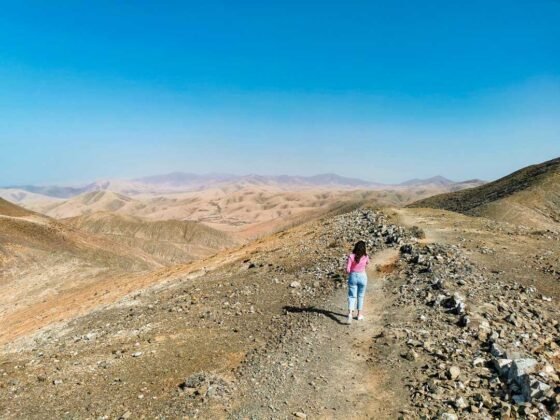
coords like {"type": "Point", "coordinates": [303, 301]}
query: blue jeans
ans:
{"type": "Point", "coordinates": [357, 283]}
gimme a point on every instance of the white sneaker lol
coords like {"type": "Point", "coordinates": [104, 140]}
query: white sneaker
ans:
{"type": "Point", "coordinates": [349, 319]}
{"type": "Point", "coordinates": [361, 318]}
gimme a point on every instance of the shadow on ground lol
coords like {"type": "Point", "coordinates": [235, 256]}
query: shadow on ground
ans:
{"type": "Point", "coordinates": [311, 309]}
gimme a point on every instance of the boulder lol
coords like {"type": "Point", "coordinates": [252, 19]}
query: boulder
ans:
{"type": "Point", "coordinates": [453, 372]}
{"type": "Point", "coordinates": [533, 388]}
{"type": "Point", "coordinates": [521, 368]}
{"type": "Point", "coordinates": [496, 350]}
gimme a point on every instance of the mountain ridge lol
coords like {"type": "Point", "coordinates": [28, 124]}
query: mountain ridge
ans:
{"type": "Point", "coordinates": [528, 196]}
{"type": "Point", "coordinates": [185, 181]}
{"type": "Point", "coordinates": [13, 210]}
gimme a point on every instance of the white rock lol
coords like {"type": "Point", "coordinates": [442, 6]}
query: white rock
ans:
{"type": "Point", "coordinates": [478, 361]}
{"type": "Point", "coordinates": [453, 372]}
{"type": "Point", "coordinates": [460, 403]}
{"type": "Point", "coordinates": [503, 366]}
{"type": "Point", "coordinates": [521, 367]}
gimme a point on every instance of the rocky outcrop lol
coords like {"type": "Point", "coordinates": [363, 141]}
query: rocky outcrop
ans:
{"type": "Point", "coordinates": [486, 347]}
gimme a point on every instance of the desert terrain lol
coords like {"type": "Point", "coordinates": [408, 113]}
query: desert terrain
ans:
{"type": "Point", "coordinates": [116, 308]}
{"type": "Point", "coordinates": [529, 197]}
{"type": "Point", "coordinates": [246, 206]}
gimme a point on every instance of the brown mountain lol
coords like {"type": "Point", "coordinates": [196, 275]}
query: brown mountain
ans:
{"type": "Point", "coordinates": [168, 241]}
{"type": "Point", "coordinates": [88, 203]}
{"type": "Point", "coordinates": [529, 196]}
{"type": "Point", "coordinates": [45, 263]}
{"type": "Point", "coordinates": [9, 209]}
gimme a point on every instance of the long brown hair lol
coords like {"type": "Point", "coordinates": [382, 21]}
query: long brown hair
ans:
{"type": "Point", "coordinates": [359, 251]}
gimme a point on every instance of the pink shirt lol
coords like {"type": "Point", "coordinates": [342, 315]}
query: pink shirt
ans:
{"type": "Point", "coordinates": [353, 267]}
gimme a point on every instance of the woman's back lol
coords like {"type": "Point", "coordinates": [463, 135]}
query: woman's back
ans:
{"type": "Point", "coordinates": [357, 267]}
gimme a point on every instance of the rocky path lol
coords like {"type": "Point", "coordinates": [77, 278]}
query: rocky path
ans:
{"type": "Point", "coordinates": [326, 370]}
{"type": "Point", "coordinates": [369, 380]}
{"type": "Point", "coordinates": [485, 341]}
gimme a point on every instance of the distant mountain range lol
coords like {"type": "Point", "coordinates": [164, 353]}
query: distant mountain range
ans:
{"type": "Point", "coordinates": [436, 180]}
{"type": "Point", "coordinates": [181, 181]}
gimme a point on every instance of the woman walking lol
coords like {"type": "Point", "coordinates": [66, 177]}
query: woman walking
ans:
{"type": "Point", "coordinates": [357, 279]}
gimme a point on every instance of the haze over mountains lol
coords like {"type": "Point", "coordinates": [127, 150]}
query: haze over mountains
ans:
{"type": "Point", "coordinates": [182, 181]}
{"type": "Point", "coordinates": [250, 204]}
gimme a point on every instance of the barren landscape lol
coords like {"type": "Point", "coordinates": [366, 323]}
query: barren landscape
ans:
{"type": "Point", "coordinates": [108, 315]}
{"type": "Point", "coordinates": [252, 210]}
{"type": "Point", "coordinates": [246, 206]}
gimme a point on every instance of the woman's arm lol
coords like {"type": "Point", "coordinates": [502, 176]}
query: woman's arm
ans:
{"type": "Point", "coordinates": [349, 264]}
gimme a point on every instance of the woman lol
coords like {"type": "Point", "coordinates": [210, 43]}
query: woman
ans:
{"type": "Point", "coordinates": [357, 279]}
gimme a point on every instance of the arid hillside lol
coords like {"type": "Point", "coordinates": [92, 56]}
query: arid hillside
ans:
{"type": "Point", "coordinates": [45, 263]}
{"type": "Point", "coordinates": [168, 241]}
{"type": "Point", "coordinates": [88, 203]}
{"type": "Point", "coordinates": [453, 329]}
{"type": "Point", "coordinates": [12, 210]}
{"type": "Point", "coordinates": [529, 197]}
{"type": "Point", "coordinates": [27, 199]}
{"type": "Point", "coordinates": [461, 311]}
{"type": "Point", "coordinates": [25, 234]}
{"type": "Point", "coordinates": [247, 208]}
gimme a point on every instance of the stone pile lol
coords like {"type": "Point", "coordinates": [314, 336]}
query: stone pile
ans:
{"type": "Point", "coordinates": [369, 226]}
{"type": "Point", "coordinates": [320, 259]}
{"type": "Point", "coordinates": [206, 385]}
{"type": "Point", "coordinates": [485, 347]}
{"type": "Point", "coordinates": [345, 230]}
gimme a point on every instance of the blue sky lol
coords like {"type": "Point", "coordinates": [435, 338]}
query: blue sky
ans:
{"type": "Point", "coordinates": [383, 91]}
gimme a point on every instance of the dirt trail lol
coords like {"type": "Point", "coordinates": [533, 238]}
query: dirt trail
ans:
{"type": "Point", "coordinates": [365, 384]}
{"type": "Point", "coordinates": [409, 218]}
{"type": "Point", "coordinates": [328, 369]}
{"type": "Point", "coordinates": [379, 401]}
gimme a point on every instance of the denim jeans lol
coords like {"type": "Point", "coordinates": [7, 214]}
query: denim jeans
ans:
{"type": "Point", "coordinates": [357, 283]}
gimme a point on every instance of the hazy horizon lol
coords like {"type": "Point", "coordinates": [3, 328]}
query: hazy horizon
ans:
{"type": "Point", "coordinates": [232, 175]}
{"type": "Point", "coordinates": [367, 90]}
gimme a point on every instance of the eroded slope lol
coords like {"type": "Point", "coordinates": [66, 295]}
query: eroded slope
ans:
{"type": "Point", "coordinates": [530, 196]}
{"type": "Point", "coordinates": [169, 241]}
